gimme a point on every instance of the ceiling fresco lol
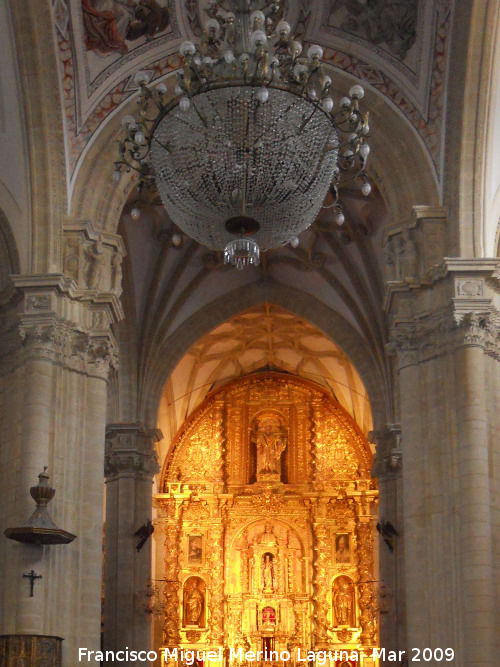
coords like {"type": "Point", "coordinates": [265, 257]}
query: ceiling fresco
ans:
{"type": "Point", "coordinates": [399, 47]}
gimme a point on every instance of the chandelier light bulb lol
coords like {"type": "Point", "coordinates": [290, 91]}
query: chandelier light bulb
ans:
{"type": "Point", "coordinates": [340, 218]}
{"type": "Point", "coordinates": [141, 78]}
{"type": "Point", "coordinates": [244, 57]}
{"type": "Point", "coordinates": [366, 188]}
{"type": "Point", "coordinates": [258, 38]}
{"type": "Point", "coordinates": [117, 174]}
{"type": "Point", "coordinates": [364, 150]}
{"type": "Point", "coordinates": [357, 92]}
{"type": "Point", "coordinates": [213, 26]}
{"type": "Point", "coordinates": [315, 51]}
{"type": "Point", "coordinates": [294, 241]}
{"type": "Point", "coordinates": [366, 129]}
{"type": "Point", "coordinates": [129, 122]}
{"type": "Point", "coordinates": [295, 48]}
{"type": "Point", "coordinates": [187, 49]}
{"type": "Point", "coordinates": [135, 213]}
{"type": "Point", "coordinates": [161, 88]}
{"type": "Point", "coordinates": [257, 19]}
{"type": "Point", "coordinates": [327, 104]}
{"type": "Point", "coordinates": [184, 104]}
{"type": "Point", "coordinates": [345, 103]}
{"type": "Point", "coordinates": [229, 57]}
{"type": "Point", "coordinates": [178, 90]}
{"type": "Point", "coordinates": [140, 138]}
{"type": "Point", "coordinates": [176, 240]}
{"type": "Point", "coordinates": [263, 95]}
{"type": "Point", "coordinates": [283, 29]}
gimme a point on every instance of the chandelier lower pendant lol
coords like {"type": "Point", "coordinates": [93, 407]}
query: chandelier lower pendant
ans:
{"type": "Point", "coordinates": [244, 155]}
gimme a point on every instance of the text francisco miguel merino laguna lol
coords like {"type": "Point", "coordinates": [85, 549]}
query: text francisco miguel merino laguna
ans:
{"type": "Point", "coordinates": [190, 657]}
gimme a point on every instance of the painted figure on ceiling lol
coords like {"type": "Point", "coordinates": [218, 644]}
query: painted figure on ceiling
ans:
{"type": "Point", "coordinates": [109, 24]}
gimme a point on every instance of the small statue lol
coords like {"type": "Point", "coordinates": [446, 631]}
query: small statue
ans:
{"type": "Point", "coordinates": [268, 574]}
{"type": "Point", "coordinates": [194, 602]}
{"type": "Point", "coordinates": [270, 442]}
{"type": "Point", "coordinates": [343, 601]}
{"type": "Point", "coordinates": [116, 273]}
{"type": "Point", "coordinates": [97, 266]}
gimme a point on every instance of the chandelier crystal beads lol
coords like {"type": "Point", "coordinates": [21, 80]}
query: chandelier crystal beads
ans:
{"type": "Point", "coordinates": [246, 152]}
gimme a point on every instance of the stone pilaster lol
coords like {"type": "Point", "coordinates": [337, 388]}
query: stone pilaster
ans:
{"type": "Point", "coordinates": [53, 406]}
{"type": "Point", "coordinates": [445, 337]}
{"type": "Point", "coordinates": [130, 464]}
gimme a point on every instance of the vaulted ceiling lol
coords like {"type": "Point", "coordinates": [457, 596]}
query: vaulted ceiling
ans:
{"type": "Point", "coordinates": [262, 337]}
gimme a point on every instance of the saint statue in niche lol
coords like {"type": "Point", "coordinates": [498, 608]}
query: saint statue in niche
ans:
{"type": "Point", "coordinates": [343, 601]}
{"type": "Point", "coordinates": [194, 603]}
{"type": "Point", "coordinates": [268, 573]}
{"type": "Point", "coordinates": [270, 440]}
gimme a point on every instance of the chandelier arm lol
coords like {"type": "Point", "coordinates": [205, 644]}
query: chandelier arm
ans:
{"type": "Point", "coordinates": [165, 147]}
{"type": "Point", "coordinates": [303, 126]}
{"type": "Point", "coordinates": [203, 120]}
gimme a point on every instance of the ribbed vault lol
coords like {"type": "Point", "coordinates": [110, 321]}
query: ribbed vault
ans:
{"type": "Point", "coordinates": [264, 336]}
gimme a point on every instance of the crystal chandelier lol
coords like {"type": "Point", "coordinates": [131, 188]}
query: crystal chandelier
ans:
{"type": "Point", "coordinates": [245, 153]}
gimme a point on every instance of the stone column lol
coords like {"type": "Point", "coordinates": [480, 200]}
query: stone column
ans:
{"type": "Point", "coordinates": [445, 336]}
{"type": "Point", "coordinates": [387, 468]}
{"type": "Point", "coordinates": [53, 405]}
{"type": "Point", "coordinates": [130, 465]}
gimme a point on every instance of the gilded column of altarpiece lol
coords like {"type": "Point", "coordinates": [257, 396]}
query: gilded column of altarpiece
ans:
{"type": "Point", "coordinates": [268, 508]}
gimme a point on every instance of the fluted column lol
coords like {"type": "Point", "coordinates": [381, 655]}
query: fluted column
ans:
{"type": "Point", "coordinates": [445, 337]}
{"type": "Point", "coordinates": [53, 407]}
{"type": "Point", "coordinates": [130, 465]}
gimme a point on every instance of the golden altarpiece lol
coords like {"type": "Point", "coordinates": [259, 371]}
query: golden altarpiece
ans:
{"type": "Point", "coordinates": [267, 516]}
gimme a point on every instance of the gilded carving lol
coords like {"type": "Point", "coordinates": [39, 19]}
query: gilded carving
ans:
{"type": "Point", "coordinates": [261, 562]}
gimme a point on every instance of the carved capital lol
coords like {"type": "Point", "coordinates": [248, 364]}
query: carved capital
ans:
{"type": "Point", "coordinates": [130, 452]}
{"type": "Point", "coordinates": [459, 306]}
{"type": "Point", "coordinates": [55, 324]}
{"type": "Point", "coordinates": [388, 459]}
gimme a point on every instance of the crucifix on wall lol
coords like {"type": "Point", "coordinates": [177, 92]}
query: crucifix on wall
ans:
{"type": "Point", "coordinates": [32, 576]}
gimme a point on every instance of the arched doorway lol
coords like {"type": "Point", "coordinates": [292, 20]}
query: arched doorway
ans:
{"type": "Point", "coordinates": [266, 508]}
